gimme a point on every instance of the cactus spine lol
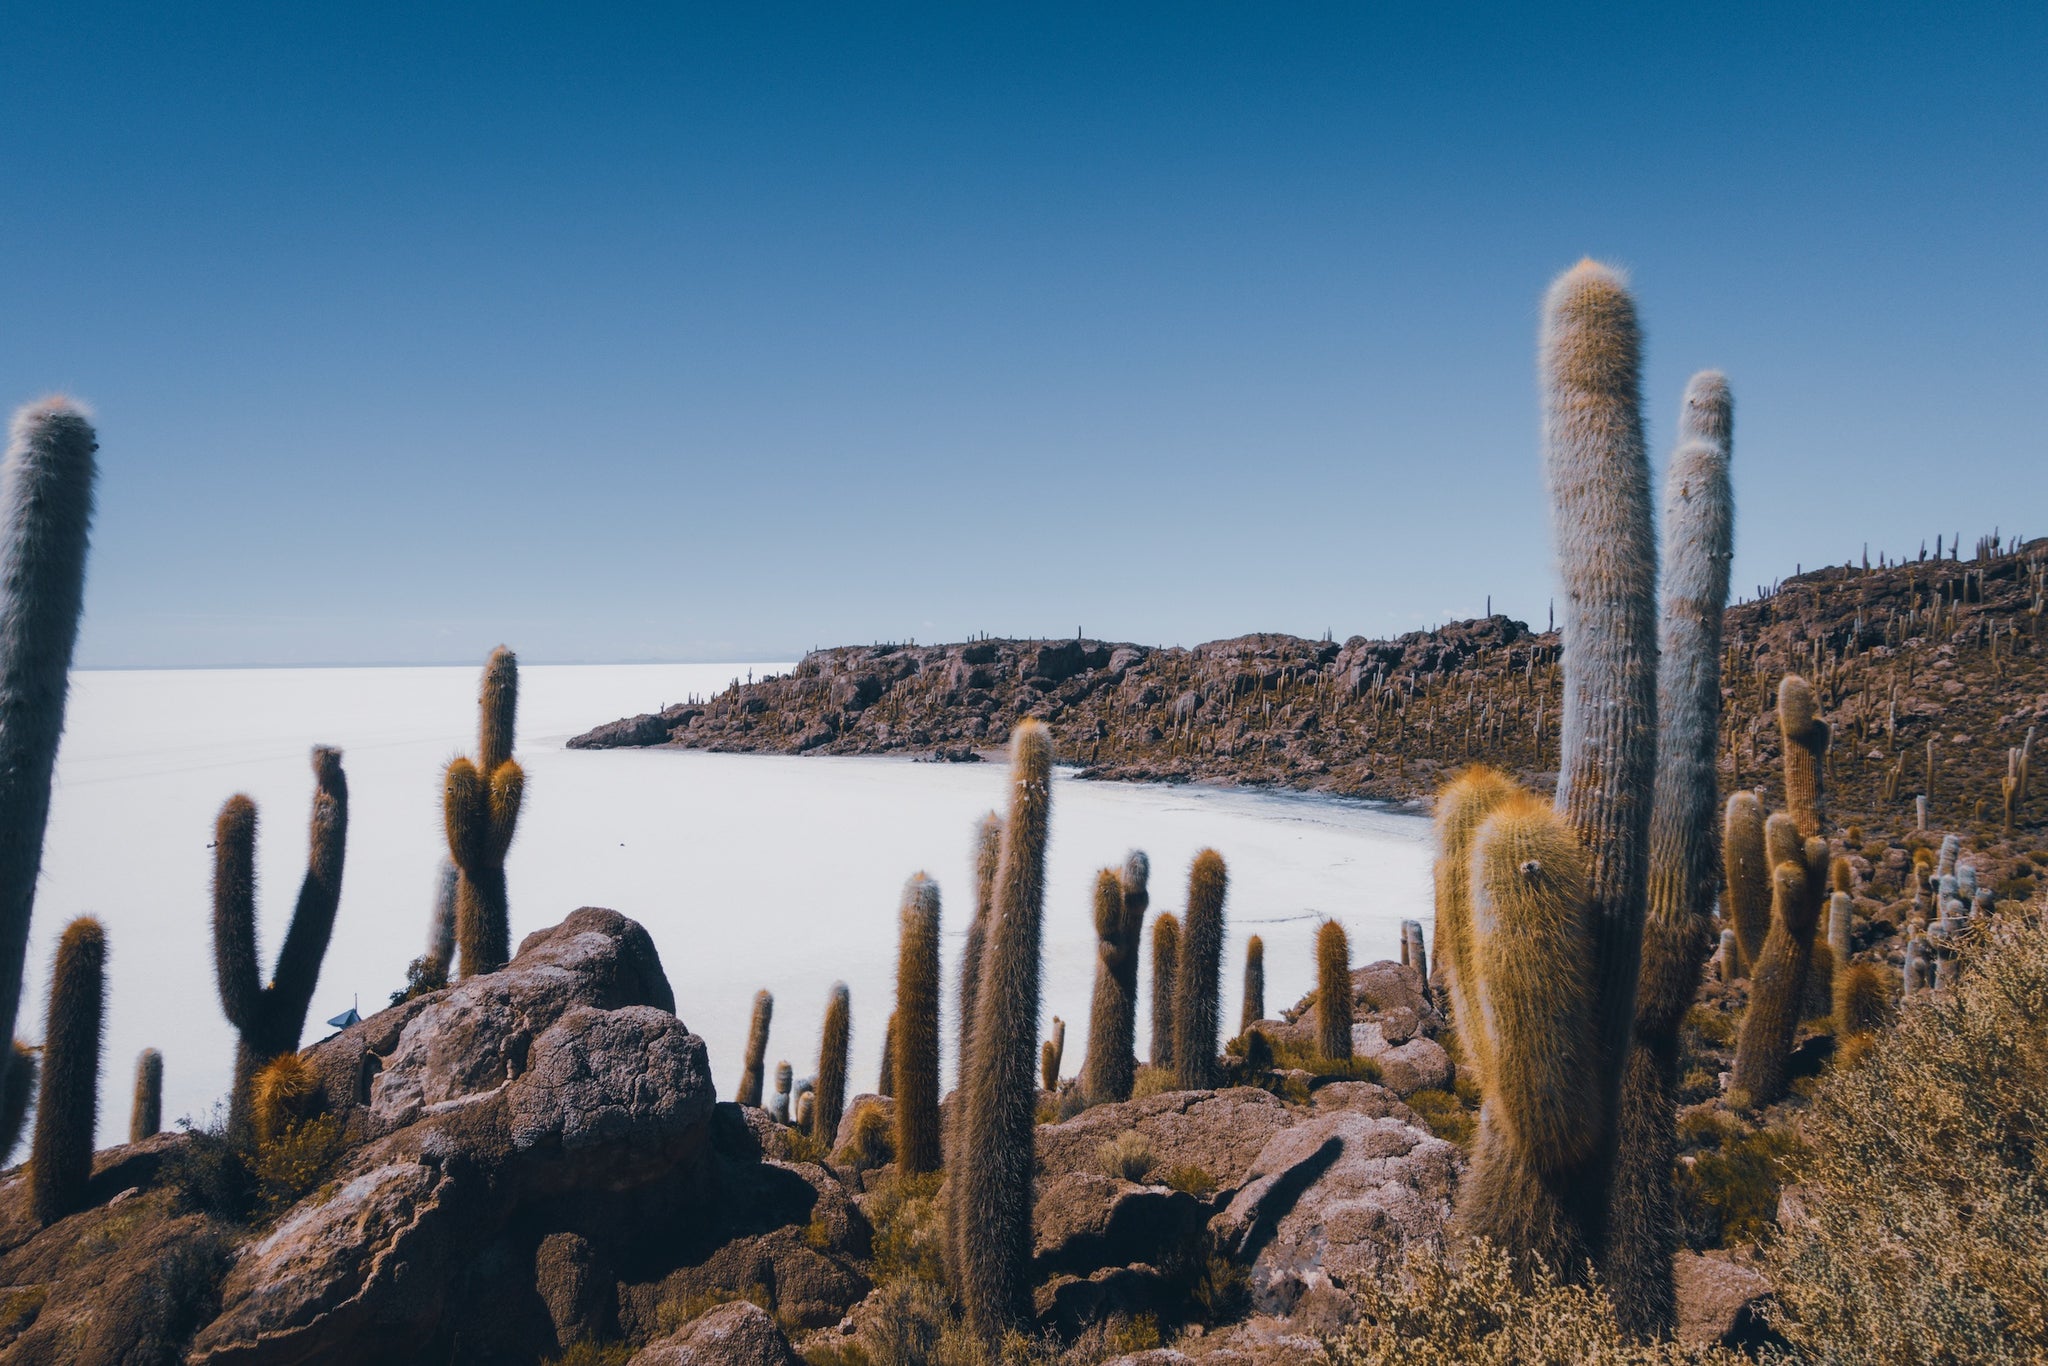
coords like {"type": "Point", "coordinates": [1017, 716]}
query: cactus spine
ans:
{"type": "Point", "coordinates": [834, 1041]}
{"type": "Point", "coordinates": [270, 1018]}
{"type": "Point", "coordinates": [1109, 1070]}
{"type": "Point", "coordinates": [1678, 932]}
{"type": "Point", "coordinates": [480, 807]}
{"type": "Point", "coordinates": [61, 1158]}
{"type": "Point", "coordinates": [1777, 989]}
{"type": "Point", "coordinates": [1198, 992]}
{"type": "Point", "coordinates": [917, 1028]}
{"type": "Point", "coordinates": [1333, 991]}
{"type": "Point", "coordinates": [757, 1049]}
{"type": "Point", "coordinates": [1537, 991]}
{"type": "Point", "coordinates": [1806, 747]}
{"type": "Point", "coordinates": [1254, 1009]}
{"type": "Point", "coordinates": [994, 1175]}
{"type": "Point", "coordinates": [146, 1115]}
{"type": "Point", "coordinates": [46, 503]}
{"type": "Point", "coordinates": [1747, 872]}
{"type": "Point", "coordinates": [1165, 979]}
{"type": "Point", "coordinates": [1052, 1054]}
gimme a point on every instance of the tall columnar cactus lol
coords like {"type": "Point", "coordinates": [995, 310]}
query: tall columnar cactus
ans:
{"type": "Point", "coordinates": [1254, 1008]}
{"type": "Point", "coordinates": [917, 1028]}
{"type": "Point", "coordinates": [480, 803]}
{"type": "Point", "coordinates": [988, 848]}
{"type": "Point", "coordinates": [1109, 1070]}
{"type": "Point", "coordinates": [61, 1159]}
{"type": "Point", "coordinates": [834, 1040]}
{"type": "Point", "coordinates": [46, 500]}
{"type": "Point", "coordinates": [1414, 952]}
{"type": "Point", "coordinates": [757, 1048]}
{"type": "Point", "coordinates": [1806, 749]}
{"type": "Point", "coordinates": [1465, 802]}
{"type": "Point", "coordinates": [779, 1107]}
{"type": "Point", "coordinates": [1863, 1001]}
{"type": "Point", "coordinates": [1678, 931]}
{"type": "Point", "coordinates": [994, 1176]}
{"type": "Point", "coordinates": [270, 1018]}
{"type": "Point", "coordinates": [1746, 872]}
{"type": "Point", "coordinates": [885, 1082]}
{"type": "Point", "coordinates": [1165, 980]}
{"type": "Point", "coordinates": [1534, 980]}
{"type": "Point", "coordinates": [1333, 992]}
{"type": "Point", "coordinates": [1052, 1055]}
{"type": "Point", "coordinates": [1599, 478]}
{"type": "Point", "coordinates": [146, 1114]}
{"type": "Point", "coordinates": [1777, 989]}
{"type": "Point", "coordinates": [17, 1092]}
{"type": "Point", "coordinates": [1198, 991]}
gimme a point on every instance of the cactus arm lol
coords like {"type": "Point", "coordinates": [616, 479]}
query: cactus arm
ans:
{"type": "Point", "coordinates": [917, 1028]}
{"type": "Point", "coordinates": [497, 708]}
{"type": "Point", "coordinates": [235, 969]}
{"type": "Point", "coordinates": [312, 927]}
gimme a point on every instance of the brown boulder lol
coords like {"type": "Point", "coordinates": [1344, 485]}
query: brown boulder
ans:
{"type": "Point", "coordinates": [1720, 1302]}
{"type": "Point", "coordinates": [1219, 1132]}
{"type": "Point", "coordinates": [1082, 1222]}
{"type": "Point", "coordinates": [737, 1334]}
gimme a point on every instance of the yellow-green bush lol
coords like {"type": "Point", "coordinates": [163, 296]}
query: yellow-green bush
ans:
{"type": "Point", "coordinates": [1729, 1177]}
{"type": "Point", "coordinates": [1923, 1179]}
{"type": "Point", "coordinates": [1445, 1116]}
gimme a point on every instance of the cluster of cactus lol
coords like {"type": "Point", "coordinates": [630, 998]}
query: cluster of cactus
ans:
{"type": "Point", "coordinates": [269, 1019]}
{"type": "Point", "coordinates": [46, 503]}
{"type": "Point", "coordinates": [1110, 1069]}
{"type": "Point", "coordinates": [1570, 936]}
{"type": "Point", "coordinates": [60, 1160]}
{"type": "Point", "coordinates": [480, 808]}
{"type": "Point", "coordinates": [995, 1159]}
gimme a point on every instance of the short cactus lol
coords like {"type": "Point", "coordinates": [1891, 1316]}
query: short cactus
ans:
{"type": "Point", "coordinates": [1165, 980]}
{"type": "Point", "coordinates": [1777, 989]}
{"type": "Point", "coordinates": [1107, 1073]}
{"type": "Point", "coordinates": [1052, 1054]}
{"type": "Point", "coordinates": [480, 803]}
{"type": "Point", "coordinates": [1747, 875]}
{"type": "Point", "coordinates": [834, 1041]}
{"type": "Point", "coordinates": [46, 504]}
{"type": "Point", "coordinates": [1806, 748]}
{"type": "Point", "coordinates": [1197, 993]}
{"type": "Point", "coordinates": [146, 1114]}
{"type": "Point", "coordinates": [60, 1162]}
{"type": "Point", "coordinates": [779, 1107]}
{"type": "Point", "coordinates": [1333, 992]}
{"type": "Point", "coordinates": [757, 1049]}
{"type": "Point", "coordinates": [916, 1057]}
{"type": "Point", "coordinates": [1254, 1007]}
{"type": "Point", "coordinates": [271, 1018]}
{"type": "Point", "coordinates": [1863, 1001]}
{"type": "Point", "coordinates": [996, 1158]}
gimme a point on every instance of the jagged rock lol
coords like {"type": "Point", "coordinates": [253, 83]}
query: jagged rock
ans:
{"type": "Point", "coordinates": [1070, 1303]}
{"type": "Point", "coordinates": [1418, 1065]}
{"type": "Point", "coordinates": [737, 1334]}
{"type": "Point", "coordinates": [1332, 1199]}
{"type": "Point", "coordinates": [1082, 1222]}
{"type": "Point", "coordinates": [575, 1288]}
{"type": "Point", "coordinates": [1220, 1132]}
{"type": "Point", "coordinates": [844, 1135]}
{"type": "Point", "coordinates": [1720, 1302]}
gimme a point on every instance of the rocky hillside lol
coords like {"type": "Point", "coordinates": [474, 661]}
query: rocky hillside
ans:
{"type": "Point", "coordinates": [1944, 653]}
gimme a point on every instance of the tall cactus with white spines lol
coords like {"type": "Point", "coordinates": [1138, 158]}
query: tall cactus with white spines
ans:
{"type": "Point", "coordinates": [916, 1063]}
{"type": "Point", "coordinates": [1678, 933]}
{"type": "Point", "coordinates": [751, 1072]}
{"type": "Point", "coordinates": [46, 505]}
{"type": "Point", "coordinates": [1598, 472]}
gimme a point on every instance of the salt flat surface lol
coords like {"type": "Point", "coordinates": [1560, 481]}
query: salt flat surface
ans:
{"type": "Point", "coordinates": [749, 870]}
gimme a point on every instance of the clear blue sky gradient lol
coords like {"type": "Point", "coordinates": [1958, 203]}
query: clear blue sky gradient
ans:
{"type": "Point", "coordinates": [685, 333]}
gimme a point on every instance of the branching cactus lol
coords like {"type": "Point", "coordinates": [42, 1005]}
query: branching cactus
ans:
{"type": "Point", "coordinates": [146, 1114]}
{"type": "Point", "coordinates": [1197, 994]}
{"type": "Point", "coordinates": [1107, 1072]}
{"type": "Point", "coordinates": [1165, 980]}
{"type": "Point", "coordinates": [60, 1165]}
{"type": "Point", "coordinates": [480, 808]}
{"type": "Point", "coordinates": [270, 1018]}
{"type": "Point", "coordinates": [1685, 864]}
{"type": "Point", "coordinates": [1465, 802]}
{"type": "Point", "coordinates": [1254, 1008]}
{"type": "Point", "coordinates": [834, 1041]}
{"type": "Point", "coordinates": [997, 1155]}
{"type": "Point", "coordinates": [1777, 990]}
{"type": "Point", "coordinates": [757, 1048]}
{"type": "Point", "coordinates": [1806, 751]}
{"type": "Point", "coordinates": [46, 504]}
{"type": "Point", "coordinates": [917, 1028]}
{"type": "Point", "coordinates": [1747, 874]}
{"type": "Point", "coordinates": [1533, 977]}
{"type": "Point", "coordinates": [1333, 992]}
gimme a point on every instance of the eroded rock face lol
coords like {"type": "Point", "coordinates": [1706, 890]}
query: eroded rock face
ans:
{"type": "Point", "coordinates": [738, 1334]}
{"type": "Point", "coordinates": [1218, 1132]}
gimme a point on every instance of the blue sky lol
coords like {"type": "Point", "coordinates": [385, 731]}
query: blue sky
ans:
{"type": "Point", "coordinates": [620, 332]}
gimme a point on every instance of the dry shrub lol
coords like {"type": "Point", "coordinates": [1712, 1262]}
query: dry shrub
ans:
{"type": "Point", "coordinates": [1151, 1081]}
{"type": "Point", "coordinates": [1189, 1179]}
{"type": "Point", "coordinates": [909, 1219]}
{"type": "Point", "coordinates": [1445, 1116]}
{"type": "Point", "coordinates": [1729, 1177]}
{"type": "Point", "coordinates": [1127, 1157]}
{"type": "Point", "coordinates": [1468, 1311]}
{"type": "Point", "coordinates": [1924, 1179]}
{"type": "Point", "coordinates": [293, 1163]}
